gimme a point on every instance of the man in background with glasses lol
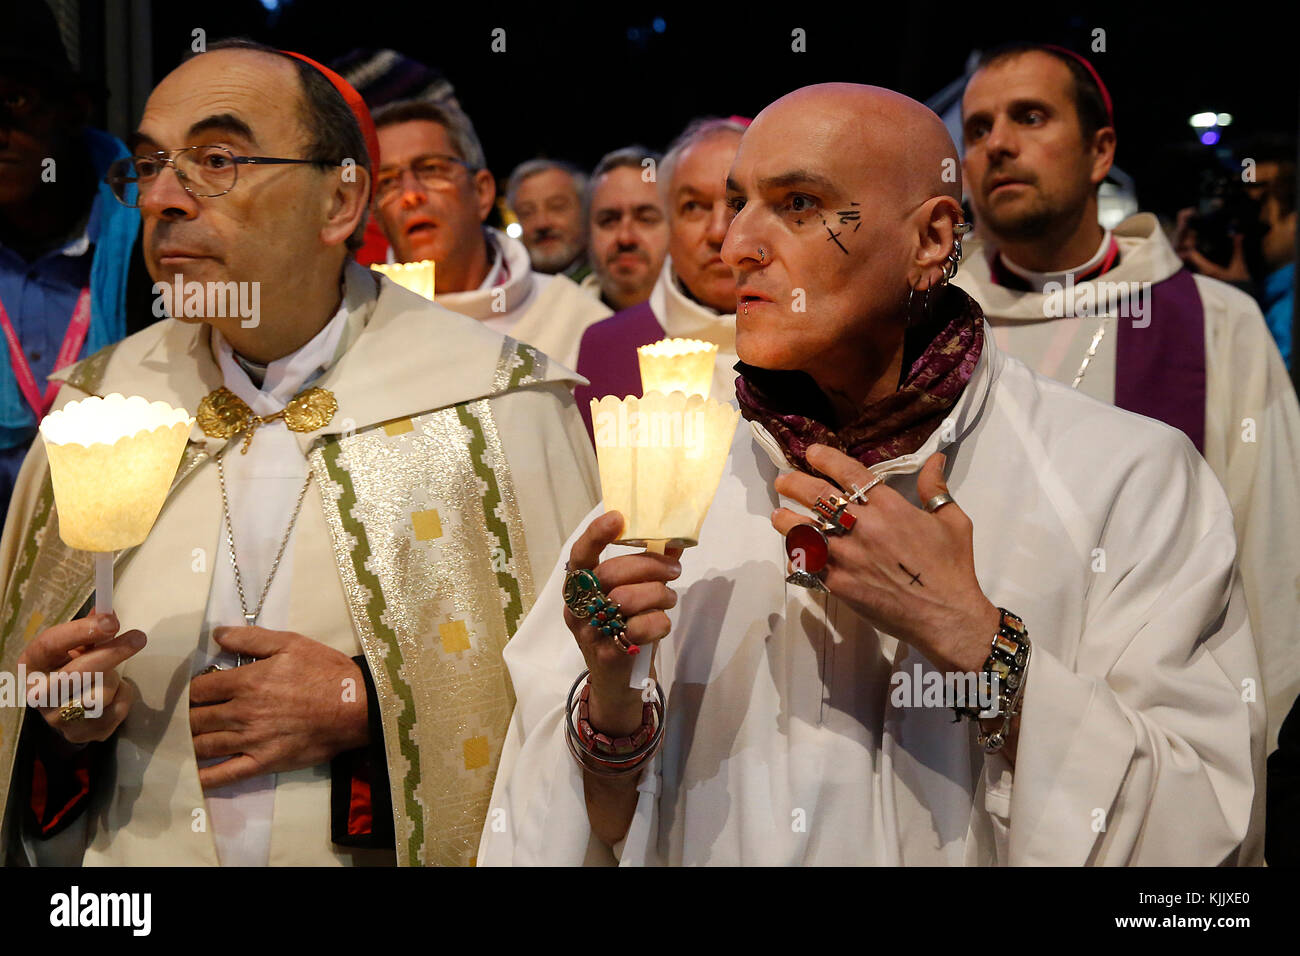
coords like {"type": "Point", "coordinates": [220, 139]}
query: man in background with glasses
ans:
{"type": "Point", "coordinates": [371, 487]}
{"type": "Point", "coordinates": [433, 192]}
{"type": "Point", "coordinates": [69, 255]}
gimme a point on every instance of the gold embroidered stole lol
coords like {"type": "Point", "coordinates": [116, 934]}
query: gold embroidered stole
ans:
{"type": "Point", "coordinates": [430, 549]}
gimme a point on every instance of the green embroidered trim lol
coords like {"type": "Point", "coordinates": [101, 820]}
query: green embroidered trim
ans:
{"type": "Point", "coordinates": [491, 501]}
{"type": "Point", "coordinates": [375, 607]}
{"type": "Point", "coordinates": [518, 365]}
{"type": "Point", "coordinates": [531, 367]}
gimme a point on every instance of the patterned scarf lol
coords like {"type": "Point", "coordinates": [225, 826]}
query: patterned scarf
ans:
{"type": "Point", "coordinates": [796, 412]}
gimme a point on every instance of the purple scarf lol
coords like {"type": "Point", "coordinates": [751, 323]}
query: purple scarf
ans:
{"type": "Point", "coordinates": [794, 410]}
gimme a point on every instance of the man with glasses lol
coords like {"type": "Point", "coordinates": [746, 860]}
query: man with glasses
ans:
{"type": "Point", "coordinates": [371, 487]}
{"type": "Point", "coordinates": [69, 255]}
{"type": "Point", "coordinates": [433, 192]}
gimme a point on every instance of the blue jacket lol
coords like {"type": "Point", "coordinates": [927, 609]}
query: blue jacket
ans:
{"type": "Point", "coordinates": [112, 228]}
{"type": "Point", "coordinates": [1278, 299]}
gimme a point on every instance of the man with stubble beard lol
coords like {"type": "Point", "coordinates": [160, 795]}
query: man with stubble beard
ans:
{"type": "Point", "coordinates": [1115, 315]}
{"type": "Point", "coordinates": [960, 498]}
{"type": "Point", "coordinates": [628, 227]}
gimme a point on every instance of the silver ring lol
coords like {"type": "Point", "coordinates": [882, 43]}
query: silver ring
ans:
{"type": "Point", "coordinates": [938, 501]}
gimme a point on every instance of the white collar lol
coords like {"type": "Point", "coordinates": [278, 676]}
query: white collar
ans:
{"type": "Point", "coordinates": [494, 277]}
{"type": "Point", "coordinates": [510, 282]}
{"type": "Point", "coordinates": [77, 247]}
{"type": "Point", "coordinates": [287, 376]}
{"type": "Point", "coordinates": [1039, 280]}
{"type": "Point", "coordinates": [684, 318]}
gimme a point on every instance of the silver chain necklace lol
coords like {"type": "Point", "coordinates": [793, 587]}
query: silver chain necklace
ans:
{"type": "Point", "coordinates": [251, 618]}
{"type": "Point", "coordinates": [1092, 350]}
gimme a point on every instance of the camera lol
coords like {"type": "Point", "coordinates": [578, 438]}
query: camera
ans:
{"type": "Point", "coordinates": [1223, 210]}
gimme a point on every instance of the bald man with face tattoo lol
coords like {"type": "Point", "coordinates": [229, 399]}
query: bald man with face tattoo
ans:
{"type": "Point", "coordinates": [943, 611]}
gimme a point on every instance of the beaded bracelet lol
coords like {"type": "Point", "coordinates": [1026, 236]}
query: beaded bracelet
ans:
{"type": "Point", "coordinates": [602, 743]}
{"type": "Point", "coordinates": [609, 762]}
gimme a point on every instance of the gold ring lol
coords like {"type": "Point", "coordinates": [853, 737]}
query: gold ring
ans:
{"type": "Point", "coordinates": [72, 713]}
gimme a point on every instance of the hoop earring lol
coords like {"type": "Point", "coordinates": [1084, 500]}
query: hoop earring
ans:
{"type": "Point", "coordinates": [954, 258]}
{"type": "Point", "coordinates": [913, 319]}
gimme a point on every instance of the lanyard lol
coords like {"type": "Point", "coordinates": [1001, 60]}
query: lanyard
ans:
{"type": "Point", "coordinates": [73, 339]}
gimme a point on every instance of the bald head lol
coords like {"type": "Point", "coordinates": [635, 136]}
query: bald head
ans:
{"type": "Point", "coordinates": [890, 138]}
{"type": "Point", "coordinates": [846, 197]}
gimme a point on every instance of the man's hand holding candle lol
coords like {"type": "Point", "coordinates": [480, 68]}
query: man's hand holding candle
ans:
{"type": "Point", "coordinates": [638, 584]}
{"type": "Point", "coordinates": [86, 647]}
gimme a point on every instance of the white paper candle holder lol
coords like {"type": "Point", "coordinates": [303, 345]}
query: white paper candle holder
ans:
{"type": "Point", "coordinates": [112, 461]}
{"type": "Point", "coordinates": [661, 458]}
{"type": "Point", "coordinates": [677, 365]}
{"type": "Point", "coordinates": [416, 276]}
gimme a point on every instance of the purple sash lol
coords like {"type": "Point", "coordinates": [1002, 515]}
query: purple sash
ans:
{"type": "Point", "coordinates": [607, 357]}
{"type": "Point", "coordinates": [1160, 369]}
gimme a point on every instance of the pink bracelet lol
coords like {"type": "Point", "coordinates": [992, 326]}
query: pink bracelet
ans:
{"type": "Point", "coordinates": [603, 743]}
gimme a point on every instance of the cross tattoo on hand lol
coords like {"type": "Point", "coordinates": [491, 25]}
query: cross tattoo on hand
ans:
{"type": "Point", "coordinates": [916, 578]}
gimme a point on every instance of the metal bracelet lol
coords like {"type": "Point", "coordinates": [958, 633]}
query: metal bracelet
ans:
{"type": "Point", "coordinates": [1008, 661]}
{"type": "Point", "coordinates": [610, 764]}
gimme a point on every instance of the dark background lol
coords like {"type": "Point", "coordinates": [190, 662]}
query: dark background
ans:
{"type": "Point", "coordinates": [578, 80]}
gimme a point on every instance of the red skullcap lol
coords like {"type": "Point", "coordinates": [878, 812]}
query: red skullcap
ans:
{"type": "Point", "coordinates": [358, 107]}
{"type": "Point", "coordinates": [1105, 93]}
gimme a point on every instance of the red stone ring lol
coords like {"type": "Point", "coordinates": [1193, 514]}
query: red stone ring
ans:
{"type": "Point", "coordinates": [809, 552]}
{"type": "Point", "coordinates": [833, 512]}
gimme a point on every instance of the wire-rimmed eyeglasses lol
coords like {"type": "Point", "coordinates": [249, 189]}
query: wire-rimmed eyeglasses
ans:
{"type": "Point", "coordinates": [434, 171]}
{"type": "Point", "coordinates": [204, 171]}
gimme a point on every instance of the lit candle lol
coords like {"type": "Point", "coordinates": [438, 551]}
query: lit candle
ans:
{"type": "Point", "coordinates": [112, 461]}
{"type": "Point", "coordinates": [416, 276]}
{"type": "Point", "coordinates": [661, 458]}
{"type": "Point", "coordinates": [677, 365]}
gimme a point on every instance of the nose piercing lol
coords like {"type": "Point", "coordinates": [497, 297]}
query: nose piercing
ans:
{"type": "Point", "coordinates": [762, 254]}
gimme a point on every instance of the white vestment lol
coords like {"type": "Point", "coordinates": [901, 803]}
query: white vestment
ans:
{"type": "Point", "coordinates": [1252, 424]}
{"type": "Point", "coordinates": [1104, 531]}
{"type": "Point", "coordinates": [389, 357]}
{"type": "Point", "coordinates": [262, 488]}
{"type": "Point", "coordinates": [548, 312]}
